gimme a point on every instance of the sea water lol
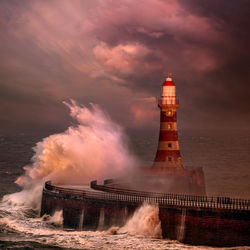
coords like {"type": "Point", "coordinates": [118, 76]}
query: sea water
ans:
{"type": "Point", "coordinates": [224, 156]}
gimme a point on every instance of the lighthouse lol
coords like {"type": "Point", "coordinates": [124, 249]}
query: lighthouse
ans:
{"type": "Point", "coordinates": [168, 151]}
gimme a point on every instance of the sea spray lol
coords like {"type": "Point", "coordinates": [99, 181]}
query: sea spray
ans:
{"type": "Point", "coordinates": [56, 219]}
{"type": "Point", "coordinates": [93, 148]}
{"type": "Point", "coordinates": [145, 221]}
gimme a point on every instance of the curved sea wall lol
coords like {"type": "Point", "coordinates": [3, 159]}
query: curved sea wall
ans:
{"type": "Point", "coordinates": [197, 220]}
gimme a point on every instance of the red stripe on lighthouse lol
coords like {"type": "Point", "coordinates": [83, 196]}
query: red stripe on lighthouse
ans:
{"type": "Point", "coordinates": [166, 135]}
{"type": "Point", "coordinates": [166, 118]}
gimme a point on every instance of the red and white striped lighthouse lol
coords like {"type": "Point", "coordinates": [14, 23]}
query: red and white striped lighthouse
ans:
{"type": "Point", "coordinates": [168, 152]}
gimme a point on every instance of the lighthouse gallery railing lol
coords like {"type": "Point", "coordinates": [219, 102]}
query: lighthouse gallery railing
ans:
{"type": "Point", "coordinates": [163, 200]}
{"type": "Point", "coordinates": [168, 101]}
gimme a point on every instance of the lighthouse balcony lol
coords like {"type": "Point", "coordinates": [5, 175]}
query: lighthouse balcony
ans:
{"type": "Point", "coordinates": [168, 101]}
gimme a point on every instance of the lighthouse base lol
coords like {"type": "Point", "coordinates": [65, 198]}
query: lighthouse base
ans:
{"type": "Point", "coordinates": [179, 180]}
{"type": "Point", "coordinates": [164, 180]}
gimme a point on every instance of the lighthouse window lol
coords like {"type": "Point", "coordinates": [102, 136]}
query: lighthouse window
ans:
{"type": "Point", "coordinates": [170, 145]}
{"type": "Point", "coordinates": [169, 159]}
{"type": "Point", "coordinates": [169, 112]}
{"type": "Point", "coordinates": [169, 126]}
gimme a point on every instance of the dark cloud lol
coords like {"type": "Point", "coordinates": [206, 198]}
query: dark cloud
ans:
{"type": "Point", "coordinates": [229, 96]}
{"type": "Point", "coordinates": [116, 53]}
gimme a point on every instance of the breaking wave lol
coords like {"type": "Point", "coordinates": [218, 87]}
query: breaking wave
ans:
{"type": "Point", "coordinates": [95, 147]}
{"type": "Point", "coordinates": [145, 221]}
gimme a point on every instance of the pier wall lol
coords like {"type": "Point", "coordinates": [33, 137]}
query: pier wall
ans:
{"type": "Point", "coordinates": [218, 223]}
{"type": "Point", "coordinates": [199, 226]}
{"type": "Point", "coordinates": [89, 213]}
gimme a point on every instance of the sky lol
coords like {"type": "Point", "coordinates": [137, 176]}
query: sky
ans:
{"type": "Point", "coordinates": [117, 54]}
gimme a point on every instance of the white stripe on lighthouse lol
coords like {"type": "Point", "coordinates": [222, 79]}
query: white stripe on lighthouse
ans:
{"type": "Point", "coordinates": [168, 145]}
{"type": "Point", "coordinates": [169, 126]}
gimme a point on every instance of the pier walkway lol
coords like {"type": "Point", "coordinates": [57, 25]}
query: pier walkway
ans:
{"type": "Point", "coordinates": [108, 193]}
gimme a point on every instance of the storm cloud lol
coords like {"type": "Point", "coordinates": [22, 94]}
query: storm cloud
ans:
{"type": "Point", "coordinates": [117, 53]}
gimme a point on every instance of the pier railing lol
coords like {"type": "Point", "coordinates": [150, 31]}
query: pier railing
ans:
{"type": "Point", "coordinates": [163, 200]}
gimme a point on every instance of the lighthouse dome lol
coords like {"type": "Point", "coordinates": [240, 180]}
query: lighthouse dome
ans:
{"type": "Point", "coordinates": [168, 82]}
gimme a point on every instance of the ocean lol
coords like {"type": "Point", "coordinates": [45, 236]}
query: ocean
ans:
{"type": "Point", "coordinates": [223, 155]}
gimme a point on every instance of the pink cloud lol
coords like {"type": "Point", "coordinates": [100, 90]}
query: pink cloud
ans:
{"type": "Point", "coordinates": [152, 18]}
{"type": "Point", "coordinates": [201, 59]}
{"type": "Point", "coordinates": [144, 112]}
{"type": "Point", "coordinates": [121, 58]}
{"type": "Point", "coordinates": [160, 29]}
